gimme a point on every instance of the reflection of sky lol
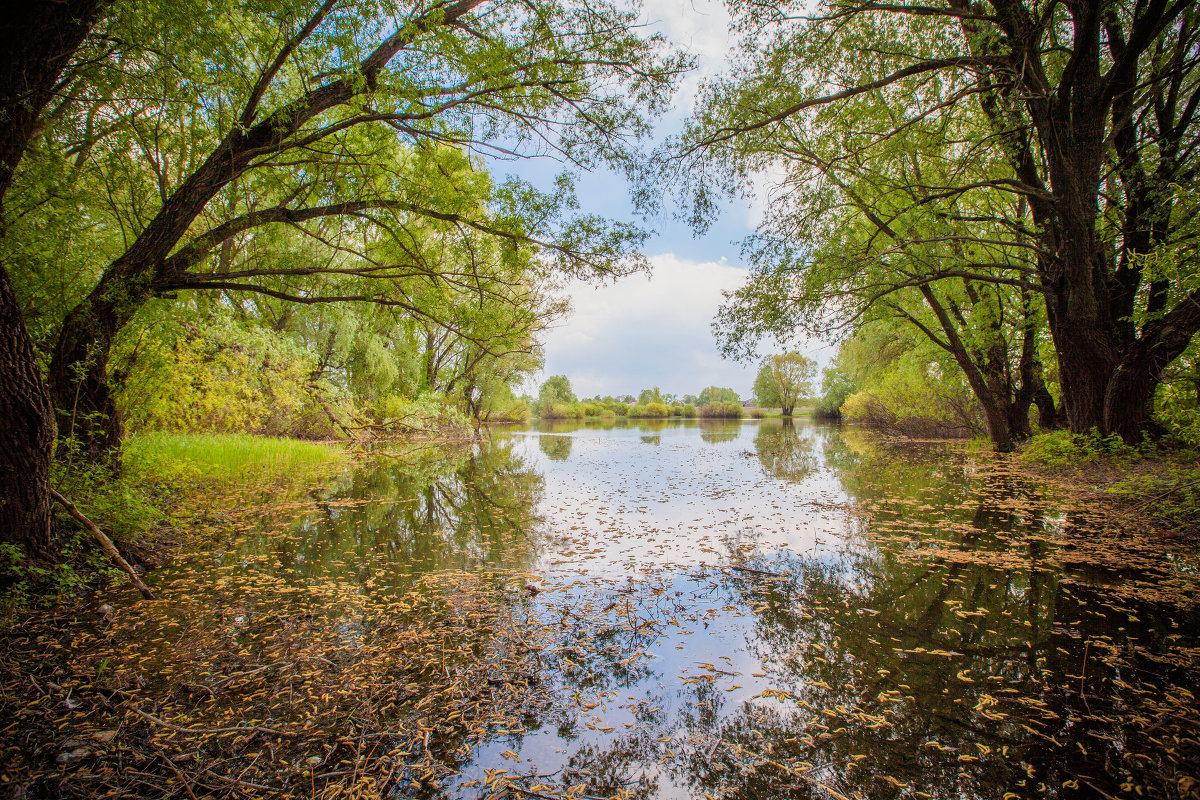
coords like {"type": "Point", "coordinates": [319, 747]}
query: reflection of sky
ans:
{"type": "Point", "coordinates": [618, 506]}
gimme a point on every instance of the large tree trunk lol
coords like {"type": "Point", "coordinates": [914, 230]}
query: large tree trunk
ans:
{"type": "Point", "coordinates": [37, 40]}
{"type": "Point", "coordinates": [26, 435]}
{"type": "Point", "coordinates": [89, 424]}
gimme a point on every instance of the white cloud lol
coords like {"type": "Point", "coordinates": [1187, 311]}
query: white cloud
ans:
{"type": "Point", "coordinates": [648, 331]}
{"type": "Point", "coordinates": [700, 27]}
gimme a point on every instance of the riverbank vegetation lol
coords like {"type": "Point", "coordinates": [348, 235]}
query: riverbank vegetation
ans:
{"type": "Point", "coordinates": [556, 401]}
{"type": "Point", "coordinates": [282, 224]}
{"type": "Point", "coordinates": [1006, 189]}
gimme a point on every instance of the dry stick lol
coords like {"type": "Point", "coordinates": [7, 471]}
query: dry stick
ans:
{"type": "Point", "coordinates": [105, 542]}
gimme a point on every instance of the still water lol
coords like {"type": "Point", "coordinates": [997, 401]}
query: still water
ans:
{"type": "Point", "coordinates": [685, 610]}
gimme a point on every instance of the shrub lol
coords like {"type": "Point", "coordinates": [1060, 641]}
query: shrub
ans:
{"type": "Point", "coordinates": [1065, 449]}
{"type": "Point", "coordinates": [676, 411]}
{"type": "Point", "coordinates": [718, 409]}
{"type": "Point", "coordinates": [655, 410]}
{"type": "Point", "coordinates": [562, 411]}
{"type": "Point", "coordinates": [916, 406]}
{"type": "Point", "coordinates": [689, 411]}
{"type": "Point", "coordinates": [518, 411]}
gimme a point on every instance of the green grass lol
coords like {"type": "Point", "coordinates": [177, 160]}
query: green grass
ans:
{"type": "Point", "coordinates": [228, 456]}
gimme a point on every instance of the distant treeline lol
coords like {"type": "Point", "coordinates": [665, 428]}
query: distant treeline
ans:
{"type": "Point", "coordinates": [557, 400]}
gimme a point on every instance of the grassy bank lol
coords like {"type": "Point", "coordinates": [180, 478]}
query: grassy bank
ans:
{"type": "Point", "coordinates": [1158, 482]}
{"type": "Point", "coordinates": [228, 458]}
{"type": "Point", "coordinates": [173, 488]}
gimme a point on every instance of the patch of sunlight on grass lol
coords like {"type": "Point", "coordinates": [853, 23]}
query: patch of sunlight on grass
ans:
{"type": "Point", "coordinates": [229, 456]}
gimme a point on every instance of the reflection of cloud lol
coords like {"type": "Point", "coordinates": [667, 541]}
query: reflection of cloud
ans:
{"type": "Point", "coordinates": [648, 331]}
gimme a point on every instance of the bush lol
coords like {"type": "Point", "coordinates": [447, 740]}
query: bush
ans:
{"type": "Point", "coordinates": [656, 411]}
{"type": "Point", "coordinates": [562, 411]}
{"type": "Point", "coordinates": [518, 411]}
{"type": "Point", "coordinates": [689, 411]}
{"type": "Point", "coordinates": [916, 406]}
{"type": "Point", "coordinates": [718, 409]}
{"type": "Point", "coordinates": [1065, 449]}
{"type": "Point", "coordinates": [591, 409]}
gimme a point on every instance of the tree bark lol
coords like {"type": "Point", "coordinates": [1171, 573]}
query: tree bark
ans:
{"type": "Point", "coordinates": [37, 40]}
{"type": "Point", "coordinates": [26, 435]}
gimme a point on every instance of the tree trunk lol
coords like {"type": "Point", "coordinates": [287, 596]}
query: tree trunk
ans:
{"type": "Point", "coordinates": [89, 423]}
{"type": "Point", "coordinates": [37, 40]}
{"type": "Point", "coordinates": [26, 435]}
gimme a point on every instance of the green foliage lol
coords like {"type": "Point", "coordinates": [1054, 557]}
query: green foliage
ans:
{"type": "Point", "coordinates": [555, 390]}
{"type": "Point", "coordinates": [718, 394]}
{"type": "Point", "coordinates": [717, 409]}
{"type": "Point", "coordinates": [123, 506]}
{"type": "Point", "coordinates": [689, 411]}
{"type": "Point", "coordinates": [784, 380]}
{"type": "Point", "coordinates": [648, 396]}
{"type": "Point", "coordinates": [561, 411]}
{"type": "Point", "coordinates": [912, 401]}
{"type": "Point", "coordinates": [655, 411]}
{"type": "Point", "coordinates": [224, 456]}
{"type": "Point", "coordinates": [1063, 449]}
{"type": "Point", "coordinates": [677, 410]}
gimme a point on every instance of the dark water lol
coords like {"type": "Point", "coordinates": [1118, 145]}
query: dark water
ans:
{"type": "Point", "coordinates": [681, 610]}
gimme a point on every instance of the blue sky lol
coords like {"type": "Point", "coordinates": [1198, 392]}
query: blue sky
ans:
{"type": "Point", "coordinates": [655, 330]}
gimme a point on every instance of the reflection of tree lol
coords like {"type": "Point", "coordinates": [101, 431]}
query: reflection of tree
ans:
{"type": "Point", "coordinates": [719, 430]}
{"type": "Point", "coordinates": [410, 517]}
{"type": "Point", "coordinates": [942, 654]}
{"type": "Point", "coordinates": [654, 439]}
{"type": "Point", "coordinates": [556, 448]}
{"type": "Point", "coordinates": [560, 425]}
{"type": "Point", "coordinates": [784, 452]}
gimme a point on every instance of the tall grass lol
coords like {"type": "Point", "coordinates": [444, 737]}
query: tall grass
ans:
{"type": "Point", "coordinates": [235, 456]}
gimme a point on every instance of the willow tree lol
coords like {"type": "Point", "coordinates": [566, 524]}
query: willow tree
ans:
{"type": "Point", "coordinates": [856, 241]}
{"type": "Point", "coordinates": [38, 42]}
{"type": "Point", "coordinates": [783, 380]}
{"type": "Point", "coordinates": [1089, 107]}
{"type": "Point", "coordinates": [296, 97]}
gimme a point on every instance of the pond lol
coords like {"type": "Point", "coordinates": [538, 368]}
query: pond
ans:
{"type": "Point", "coordinates": [665, 610]}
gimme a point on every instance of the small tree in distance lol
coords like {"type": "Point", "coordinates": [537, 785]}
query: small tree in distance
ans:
{"type": "Point", "coordinates": [783, 380]}
{"type": "Point", "coordinates": [556, 390]}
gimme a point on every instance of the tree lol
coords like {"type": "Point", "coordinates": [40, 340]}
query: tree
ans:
{"type": "Point", "coordinates": [648, 396]}
{"type": "Point", "coordinates": [38, 41]}
{"type": "Point", "coordinates": [718, 394]}
{"type": "Point", "coordinates": [291, 114]}
{"type": "Point", "coordinates": [556, 390]}
{"type": "Point", "coordinates": [1086, 109]}
{"type": "Point", "coordinates": [783, 380]}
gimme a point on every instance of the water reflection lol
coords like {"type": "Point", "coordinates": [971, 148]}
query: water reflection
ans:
{"type": "Point", "coordinates": [786, 451]}
{"type": "Point", "coordinates": [756, 609]}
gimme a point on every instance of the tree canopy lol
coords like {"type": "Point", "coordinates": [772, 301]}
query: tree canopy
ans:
{"type": "Point", "coordinates": [783, 380]}
{"type": "Point", "coordinates": [1039, 155]}
{"type": "Point", "coordinates": [311, 153]}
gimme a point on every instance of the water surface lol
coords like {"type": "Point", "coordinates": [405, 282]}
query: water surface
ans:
{"type": "Point", "coordinates": [684, 610]}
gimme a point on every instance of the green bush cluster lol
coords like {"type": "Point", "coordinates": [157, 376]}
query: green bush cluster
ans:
{"type": "Point", "coordinates": [720, 409]}
{"type": "Point", "coordinates": [916, 405]}
{"type": "Point", "coordinates": [1065, 449]}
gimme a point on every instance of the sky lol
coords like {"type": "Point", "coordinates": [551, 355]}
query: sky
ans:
{"type": "Point", "coordinates": [654, 330]}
